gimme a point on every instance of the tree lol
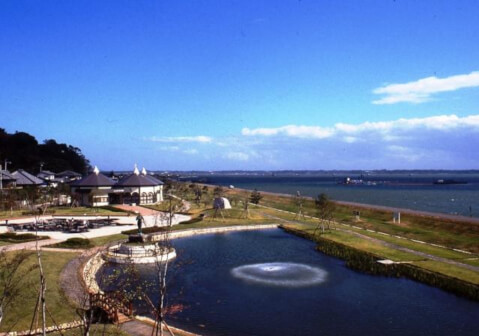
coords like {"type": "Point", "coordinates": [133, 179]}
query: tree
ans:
{"type": "Point", "coordinates": [255, 197]}
{"type": "Point", "coordinates": [24, 151]}
{"type": "Point", "coordinates": [164, 242]}
{"type": "Point", "coordinates": [218, 191]}
{"type": "Point", "coordinates": [298, 202]}
{"type": "Point", "coordinates": [325, 210]}
{"type": "Point", "coordinates": [198, 194]}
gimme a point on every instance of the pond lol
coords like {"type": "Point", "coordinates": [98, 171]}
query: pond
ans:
{"type": "Point", "coordinates": [268, 282]}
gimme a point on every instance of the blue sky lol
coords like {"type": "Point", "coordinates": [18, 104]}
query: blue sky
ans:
{"type": "Point", "coordinates": [210, 85]}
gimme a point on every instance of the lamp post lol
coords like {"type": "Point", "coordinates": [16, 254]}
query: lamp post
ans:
{"type": "Point", "coordinates": [6, 163]}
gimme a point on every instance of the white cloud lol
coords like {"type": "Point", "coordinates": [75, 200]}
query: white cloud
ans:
{"type": "Point", "coordinates": [199, 138]}
{"type": "Point", "coordinates": [421, 90]}
{"type": "Point", "coordinates": [291, 131]}
{"type": "Point", "coordinates": [190, 151]}
{"type": "Point", "coordinates": [387, 129]}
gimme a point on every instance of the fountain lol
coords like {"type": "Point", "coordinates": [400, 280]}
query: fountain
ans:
{"type": "Point", "coordinates": [283, 274]}
{"type": "Point", "coordinates": [139, 249]}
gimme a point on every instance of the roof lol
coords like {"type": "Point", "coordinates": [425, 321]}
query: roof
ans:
{"type": "Point", "coordinates": [95, 179]}
{"type": "Point", "coordinates": [138, 180]}
{"type": "Point", "coordinates": [154, 179]}
{"type": "Point", "coordinates": [46, 172]}
{"type": "Point", "coordinates": [6, 175]}
{"type": "Point", "coordinates": [68, 173]}
{"type": "Point", "coordinates": [25, 178]}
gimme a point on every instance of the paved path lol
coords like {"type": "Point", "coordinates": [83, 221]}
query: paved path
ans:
{"type": "Point", "coordinates": [29, 245]}
{"type": "Point", "coordinates": [138, 328]}
{"type": "Point", "coordinates": [137, 209]}
{"type": "Point", "coordinates": [389, 245]}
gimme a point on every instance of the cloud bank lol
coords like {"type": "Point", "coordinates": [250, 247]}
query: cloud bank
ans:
{"type": "Point", "coordinates": [420, 91]}
{"type": "Point", "coordinates": [442, 122]}
{"type": "Point", "coordinates": [436, 142]}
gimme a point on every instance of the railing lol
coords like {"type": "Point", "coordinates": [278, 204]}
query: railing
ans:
{"type": "Point", "coordinates": [112, 303]}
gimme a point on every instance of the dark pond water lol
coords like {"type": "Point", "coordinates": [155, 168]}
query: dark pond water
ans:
{"type": "Point", "coordinates": [272, 283]}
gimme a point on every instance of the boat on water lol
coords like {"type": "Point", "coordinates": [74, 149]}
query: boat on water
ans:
{"type": "Point", "coordinates": [449, 181]}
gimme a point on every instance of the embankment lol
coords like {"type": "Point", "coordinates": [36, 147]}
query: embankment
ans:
{"type": "Point", "coordinates": [367, 262]}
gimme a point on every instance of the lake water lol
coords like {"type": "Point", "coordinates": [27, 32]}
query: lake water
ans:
{"type": "Point", "coordinates": [269, 282]}
{"type": "Point", "coordinates": [406, 190]}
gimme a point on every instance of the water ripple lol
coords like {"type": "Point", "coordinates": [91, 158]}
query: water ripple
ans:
{"type": "Point", "coordinates": [283, 274]}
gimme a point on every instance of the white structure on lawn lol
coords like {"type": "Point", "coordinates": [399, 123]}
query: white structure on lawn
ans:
{"type": "Point", "coordinates": [137, 188]}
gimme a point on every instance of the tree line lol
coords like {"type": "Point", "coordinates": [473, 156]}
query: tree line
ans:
{"type": "Point", "coordinates": [22, 151]}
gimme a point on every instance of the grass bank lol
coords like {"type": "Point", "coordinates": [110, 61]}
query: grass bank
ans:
{"type": "Point", "coordinates": [426, 271]}
{"type": "Point", "coordinates": [19, 315]}
{"type": "Point", "coordinates": [433, 229]}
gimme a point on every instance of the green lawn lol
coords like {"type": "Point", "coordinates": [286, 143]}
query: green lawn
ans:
{"type": "Point", "coordinates": [453, 233]}
{"type": "Point", "coordinates": [20, 313]}
{"type": "Point", "coordinates": [100, 241]}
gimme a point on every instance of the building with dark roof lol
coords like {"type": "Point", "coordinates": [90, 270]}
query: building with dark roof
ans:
{"type": "Point", "coordinates": [68, 176]}
{"type": "Point", "coordinates": [24, 179]}
{"type": "Point", "coordinates": [93, 190]}
{"type": "Point", "coordinates": [137, 188]}
{"type": "Point", "coordinates": [7, 180]}
{"type": "Point", "coordinates": [46, 175]}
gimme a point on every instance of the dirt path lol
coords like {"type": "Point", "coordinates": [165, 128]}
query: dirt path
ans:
{"type": "Point", "coordinates": [388, 245]}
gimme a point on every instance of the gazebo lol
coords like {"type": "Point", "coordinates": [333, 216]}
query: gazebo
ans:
{"type": "Point", "coordinates": [94, 189]}
{"type": "Point", "coordinates": [138, 188]}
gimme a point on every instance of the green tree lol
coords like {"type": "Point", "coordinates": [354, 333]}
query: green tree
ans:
{"type": "Point", "coordinates": [255, 197]}
{"type": "Point", "coordinates": [325, 209]}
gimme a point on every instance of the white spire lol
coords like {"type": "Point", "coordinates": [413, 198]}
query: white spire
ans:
{"type": "Point", "coordinates": [143, 171]}
{"type": "Point", "coordinates": [96, 170]}
{"type": "Point", "coordinates": [136, 171]}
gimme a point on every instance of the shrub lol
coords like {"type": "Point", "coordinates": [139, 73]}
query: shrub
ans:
{"type": "Point", "coordinates": [75, 243]}
{"type": "Point", "coordinates": [193, 220]}
{"type": "Point", "coordinates": [13, 237]}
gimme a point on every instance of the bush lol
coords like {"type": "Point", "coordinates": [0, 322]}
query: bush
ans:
{"type": "Point", "coordinates": [75, 243]}
{"type": "Point", "coordinates": [193, 220]}
{"type": "Point", "coordinates": [12, 237]}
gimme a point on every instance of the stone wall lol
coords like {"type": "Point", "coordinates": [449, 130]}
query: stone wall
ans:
{"type": "Point", "coordinates": [89, 273]}
{"type": "Point", "coordinates": [194, 232]}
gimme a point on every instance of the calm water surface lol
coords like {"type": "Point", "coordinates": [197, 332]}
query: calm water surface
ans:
{"type": "Point", "coordinates": [343, 302]}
